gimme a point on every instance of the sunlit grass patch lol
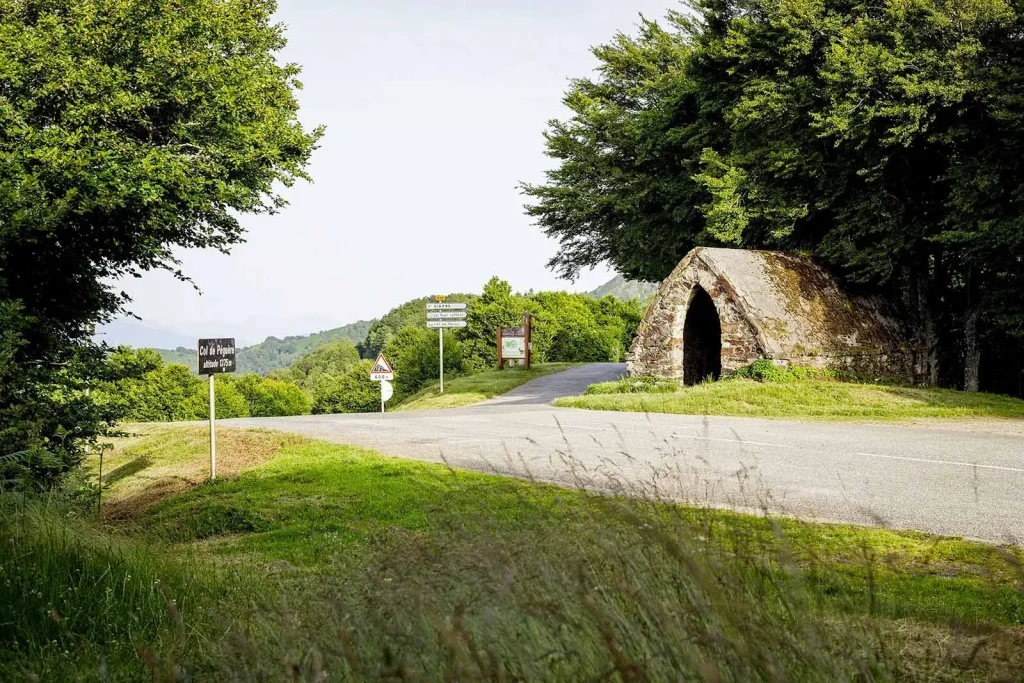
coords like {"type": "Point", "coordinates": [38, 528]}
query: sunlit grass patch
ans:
{"type": "Point", "coordinates": [155, 461]}
{"type": "Point", "coordinates": [810, 399]}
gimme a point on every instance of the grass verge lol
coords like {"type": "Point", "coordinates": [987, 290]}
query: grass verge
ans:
{"type": "Point", "coordinates": [810, 399]}
{"type": "Point", "coordinates": [354, 565]}
{"type": "Point", "coordinates": [465, 391]}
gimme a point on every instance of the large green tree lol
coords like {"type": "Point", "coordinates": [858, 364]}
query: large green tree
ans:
{"type": "Point", "coordinates": [884, 137]}
{"type": "Point", "coordinates": [128, 128]}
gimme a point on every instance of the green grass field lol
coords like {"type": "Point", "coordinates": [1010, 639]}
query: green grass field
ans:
{"type": "Point", "coordinates": [324, 562]}
{"type": "Point", "coordinates": [464, 391]}
{"type": "Point", "coordinates": [803, 399]}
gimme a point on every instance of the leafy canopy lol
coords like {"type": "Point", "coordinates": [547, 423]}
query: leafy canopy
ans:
{"type": "Point", "coordinates": [128, 129]}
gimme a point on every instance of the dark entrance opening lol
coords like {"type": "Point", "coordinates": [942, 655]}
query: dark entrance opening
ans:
{"type": "Point", "coordinates": [702, 339]}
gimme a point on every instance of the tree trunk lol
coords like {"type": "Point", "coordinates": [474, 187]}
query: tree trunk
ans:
{"type": "Point", "coordinates": [972, 351]}
{"type": "Point", "coordinates": [929, 327]}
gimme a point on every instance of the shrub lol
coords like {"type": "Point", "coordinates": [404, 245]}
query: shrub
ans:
{"type": "Point", "coordinates": [414, 354]}
{"type": "Point", "coordinates": [766, 371]}
{"type": "Point", "coordinates": [353, 392]}
{"type": "Point", "coordinates": [267, 397]}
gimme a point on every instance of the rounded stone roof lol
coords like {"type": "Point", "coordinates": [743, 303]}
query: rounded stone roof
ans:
{"type": "Point", "coordinates": [795, 306]}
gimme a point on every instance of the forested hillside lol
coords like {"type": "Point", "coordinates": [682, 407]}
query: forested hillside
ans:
{"type": "Point", "coordinates": [273, 353]}
{"type": "Point", "coordinates": [276, 353]}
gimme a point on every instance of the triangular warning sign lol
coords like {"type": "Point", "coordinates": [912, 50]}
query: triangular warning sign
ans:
{"type": "Point", "coordinates": [381, 364]}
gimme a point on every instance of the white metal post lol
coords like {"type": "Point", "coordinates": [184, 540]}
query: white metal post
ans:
{"type": "Point", "coordinates": [440, 347]}
{"type": "Point", "coordinates": [213, 433]}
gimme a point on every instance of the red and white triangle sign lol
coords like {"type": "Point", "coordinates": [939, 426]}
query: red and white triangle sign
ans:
{"type": "Point", "coordinates": [381, 365]}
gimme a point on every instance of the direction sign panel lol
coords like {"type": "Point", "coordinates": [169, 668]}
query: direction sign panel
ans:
{"type": "Point", "coordinates": [382, 371]}
{"type": "Point", "coordinates": [446, 307]}
{"type": "Point", "coordinates": [446, 315]}
{"type": "Point", "coordinates": [216, 356]}
{"type": "Point", "coordinates": [445, 324]}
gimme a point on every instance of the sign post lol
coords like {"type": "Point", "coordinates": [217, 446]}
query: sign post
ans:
{"type": "Point", "coordinates": [215, 356]}
{"type": "Point", "coordinates": [442, 316]}
{"type": "Point", "coordinates": [514, 343]}
{"type": "Point", "coordinates": [383, 372]}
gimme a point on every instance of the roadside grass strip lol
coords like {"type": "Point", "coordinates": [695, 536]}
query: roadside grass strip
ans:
{"type": "Point", "coordinates": [808, 399]}
{"type": "Point", "coordinates": [326, 559]}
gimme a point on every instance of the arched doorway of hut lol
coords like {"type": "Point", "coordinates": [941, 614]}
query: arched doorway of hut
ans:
{"type": "Point", "coordinates": [702, 339]}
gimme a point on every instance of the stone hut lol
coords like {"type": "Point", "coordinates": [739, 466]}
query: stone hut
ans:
{"type": "Point", "coordinates": [721, 309]}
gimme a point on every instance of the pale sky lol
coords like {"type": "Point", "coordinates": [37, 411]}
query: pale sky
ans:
{"type": "Point", "coordinates": [434, 110]}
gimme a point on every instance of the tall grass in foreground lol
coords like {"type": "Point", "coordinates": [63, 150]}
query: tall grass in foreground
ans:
{"type": "Point", "coordinates": [472, 577]}
{"type": "Point", "coordinates": [77, 602]}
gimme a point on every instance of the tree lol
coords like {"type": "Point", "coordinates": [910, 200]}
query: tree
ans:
{"type": "Point", "coordinates": [128, 129]}
{"type": "Point", "coordinates": [415, 355]}
{"type": "Point", "coordinates": [333, 358]}
{"type": "Point", "coordinates": [882, 137]}
{"type": "Point", "coordinates": [497, 307]}
{"type": "Point", "coordinates": [265, 397]}
{"type": "Point", "coordinates": [353, 392]}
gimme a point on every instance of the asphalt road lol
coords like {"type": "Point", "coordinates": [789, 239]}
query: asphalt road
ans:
{"type": "Point", "coordinates": [956, 478]}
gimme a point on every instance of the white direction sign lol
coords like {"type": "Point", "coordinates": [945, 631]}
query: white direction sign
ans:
{"type": "Point", "coordinates": [441, 306]}
{"type": "Point", "coordinates": [445, 324]}
{"type": "Point", "coordinates": [387, 390]}
{"type": "Point", "coordinates": [382, 371]}
{"type": "Point", "coordinates": [446, 315]}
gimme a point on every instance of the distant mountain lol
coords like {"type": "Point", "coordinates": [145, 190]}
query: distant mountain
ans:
{"type": "Point", "coordinates": [274, 353]}
{"type": "Point", "coordinates": [130, 332]}
{"type": "Point", "coordinates": [624, 289]}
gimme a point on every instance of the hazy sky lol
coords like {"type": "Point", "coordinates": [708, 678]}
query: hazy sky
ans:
{"type": "Point", "coordinates": [434, 111]}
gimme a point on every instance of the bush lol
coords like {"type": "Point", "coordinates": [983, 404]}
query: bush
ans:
{"type": "Point", "coordinates": [267, 397]}
{"type": "Point", "coordinates": [353, 392]}
{"type": "Point", "coordinates": [414, 354]}
{"type": "Point", "coordinates": [333, 358]}
{"type": "Point", "coordinates": [766, 371]}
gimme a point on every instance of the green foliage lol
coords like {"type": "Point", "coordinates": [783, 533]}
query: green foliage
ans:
{"type": "Point", "coordinates": [146, 390]}
{"type": "Point", "coordinates": [129, 129]}
{"type": "Point", "coordinates": [767, 371]}
{"type": "Point", "coordinates": [884, 138]}
{"type": "Point", "coordinates": [274, 353]}
{"type": "Point", "coordinates": [182, 356]}
{"type": "Point", "coordinates": [414, 355]}
{"type": "Point", "coordinates": [410, 314]}
{"type": "Point", "coordinates": [267, 397]}
{"type": "Point", "coordinates": [567, 328]}
{"type": "Point", "coordinates": [352, 392]}
{"type": "Point", "coordinates": [332, 358]}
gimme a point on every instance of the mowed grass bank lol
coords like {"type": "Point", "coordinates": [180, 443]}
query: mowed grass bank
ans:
{"type": "Point", "coordinates": [817, 399]}
{"type": "Point", "coordinates": [465, 391]}
{"type": "Point", "coordinates": [331, 560]}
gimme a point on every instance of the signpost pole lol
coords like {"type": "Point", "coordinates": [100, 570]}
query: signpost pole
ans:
{"type": "Point", "coordinates": [213, 433]}
{"type": "Point", "coordinates": [440, 348]}
{"type": "Point", "coordinates": [529, 334]}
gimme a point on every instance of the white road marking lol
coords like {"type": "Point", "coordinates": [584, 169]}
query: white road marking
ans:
{"type": "Point", "coordinates": [953, 463]}
{"type": "Point", "coordinates": [736, 441]}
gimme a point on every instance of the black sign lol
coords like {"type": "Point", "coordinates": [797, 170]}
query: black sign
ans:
{"type": "Point", "coordinates": [216, 356]}
{"type": "Point", "coordinates": [513, 332]}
